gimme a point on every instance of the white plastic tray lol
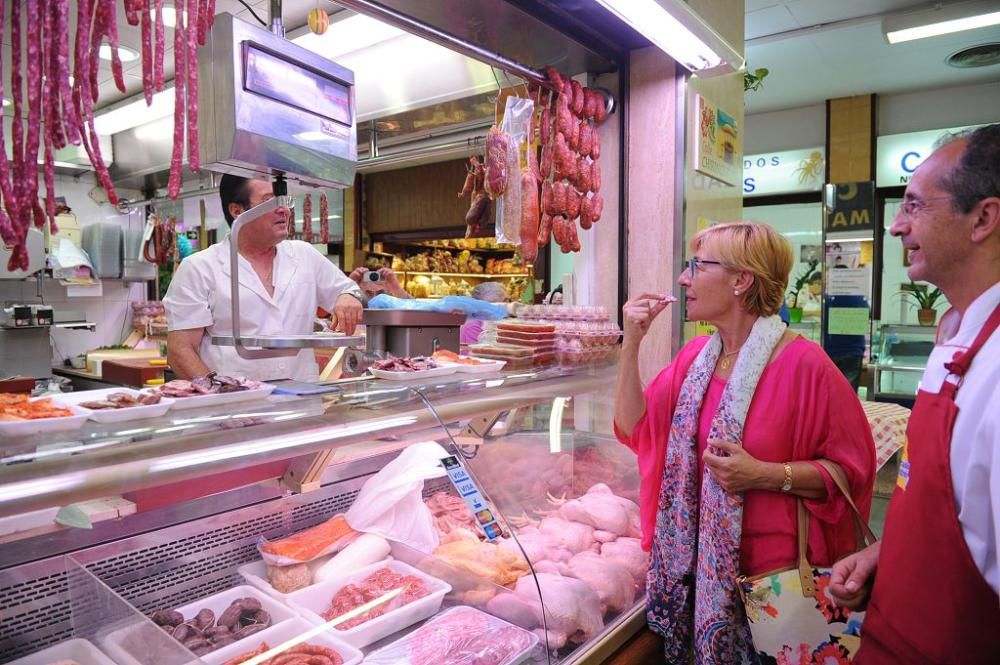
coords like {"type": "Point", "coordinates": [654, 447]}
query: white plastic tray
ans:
{"type": "Point", "coordinates": [82, 651]}
{"type": "Point", "coordinates": [281, 633]}
{"type": "Point", "coordinates": [114, 415]}
{"type": "Point", "coordinates": [39, 425]}
{"type": "Point", "coordinates": [484, 366]}
{"type": "Point", "coordinates": [197, 401]}
{"type": "Point", "coordinates": [442, 370]}
{"type": "Point", "coordinates": [312, 601]}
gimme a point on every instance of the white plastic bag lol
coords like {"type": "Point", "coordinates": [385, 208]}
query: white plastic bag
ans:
{"type": "Point", "coordinates": [391, 503]}
{"type": "Point", "coordinates": [516, 124]}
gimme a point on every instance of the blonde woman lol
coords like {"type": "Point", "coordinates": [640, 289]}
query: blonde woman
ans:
{"type": "Point", "coordinates": [728, 437]}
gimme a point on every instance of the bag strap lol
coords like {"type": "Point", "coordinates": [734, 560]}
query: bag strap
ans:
{"type": "Point", "coordinates": [863, 533]}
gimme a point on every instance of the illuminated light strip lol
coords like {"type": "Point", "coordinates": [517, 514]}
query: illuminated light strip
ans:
{"type": "Point", "coordinates": [555, 424]}
{"type": "Point", "coordinates": [940, 27]}
{"type": "Point", "coordinates": [322, 628]}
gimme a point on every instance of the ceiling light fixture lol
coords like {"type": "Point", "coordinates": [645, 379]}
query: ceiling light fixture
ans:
{"type": "Point", "coordinates": [125, 54]}
{"type": "Point", "coordinates": [134, 112]}
{"type": "Point", "coordinates": [169, 16]}
{"type": "Point", "coordinates": [941, 19]}
{"type": "Point", "coordinates": [680, 32]}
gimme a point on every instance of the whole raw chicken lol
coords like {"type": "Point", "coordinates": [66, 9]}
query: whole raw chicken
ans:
{"type": "Point", "coordinates": [485, 560]}
{"type": "Point", "coordinates": [629, 553]}
{"type": "Point", "coordinates": [537, 546]}
{"type": "Point", "coordinates": [611, 580]}
{"type": "Point", "coordinates": [572, 608]}
{"type": "Point", "coordinates": [573, 536]}
{"type": "Point", "coordinates": [604, 510]}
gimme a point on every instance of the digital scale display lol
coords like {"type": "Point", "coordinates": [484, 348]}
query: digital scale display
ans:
{"type": "Point", "coordinates": [267, 73]}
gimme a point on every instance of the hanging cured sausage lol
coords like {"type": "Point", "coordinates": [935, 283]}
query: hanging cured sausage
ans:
{"type": "Point", "coordinates": [59, 108]}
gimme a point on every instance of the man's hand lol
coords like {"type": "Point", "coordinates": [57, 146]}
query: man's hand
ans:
{"type": "Point", "coordinates": [852, 578]}
{"type": "Point", "coordinates": [392, 285]}
{"type": "Point", "coordinates": [734, 468]}
{"type": "Point", "coordinates": [639, 313]}
{"type": "Point", "coordinates": [346, 314]}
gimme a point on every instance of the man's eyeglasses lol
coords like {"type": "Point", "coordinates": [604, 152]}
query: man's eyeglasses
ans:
{"type": "Point", "coordinates": [911, 207]}
{"type": "Point", "coordinates": [290, 202]}
{"type": "Point", "coordinates": [694, 262]}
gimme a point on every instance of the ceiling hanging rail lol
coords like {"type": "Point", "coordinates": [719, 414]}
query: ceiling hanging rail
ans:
{"type": "Point", "coordinates": [441, 38]}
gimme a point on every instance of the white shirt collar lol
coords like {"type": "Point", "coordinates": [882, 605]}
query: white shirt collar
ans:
{"type": "Point", "coordinates": [958, 330]}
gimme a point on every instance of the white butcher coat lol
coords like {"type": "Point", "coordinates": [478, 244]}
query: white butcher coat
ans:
{"type": "Point", "coordinates": [199, 297]}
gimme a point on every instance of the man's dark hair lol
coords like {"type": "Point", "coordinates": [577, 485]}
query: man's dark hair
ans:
{"type": "Point", "coordinates": [233, 189]}
{"type": "Point", "coordinates": [977, 174]}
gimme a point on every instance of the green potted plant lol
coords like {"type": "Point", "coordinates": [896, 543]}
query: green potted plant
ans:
{"type": "Point", "coordinates": [926, 300]}
{"type": "Point", "coordinates": [794, 311]}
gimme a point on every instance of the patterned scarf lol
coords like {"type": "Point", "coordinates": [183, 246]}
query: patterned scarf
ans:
{"type": "Point", "coordinates": [696, 548]}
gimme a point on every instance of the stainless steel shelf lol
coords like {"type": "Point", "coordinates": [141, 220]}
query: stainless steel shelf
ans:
{"type": "Point", "coordinates": [319, 341]}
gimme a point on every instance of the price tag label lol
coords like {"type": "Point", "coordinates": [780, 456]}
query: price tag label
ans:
{"type": "Point", "coordinates": [473, 498]}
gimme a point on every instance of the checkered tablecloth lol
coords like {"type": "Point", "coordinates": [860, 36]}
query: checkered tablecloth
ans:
{"type": "Point", "coordinates": [888, 423]}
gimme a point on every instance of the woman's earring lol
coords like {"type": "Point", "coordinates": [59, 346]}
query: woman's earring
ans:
{"type": "Point", "coordinates": [736, 293]}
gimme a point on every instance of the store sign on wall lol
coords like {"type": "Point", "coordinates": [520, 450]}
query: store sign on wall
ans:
{"type": "Point", "coordinates": [784, 172]}
{"type": "Point", "coordinates": [716, 145]}
{"type": "Point", "coordinates": [899, 155]}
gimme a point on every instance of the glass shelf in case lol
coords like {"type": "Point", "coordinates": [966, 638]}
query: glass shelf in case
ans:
{"type": "Point", "coordinates": [902, 353]}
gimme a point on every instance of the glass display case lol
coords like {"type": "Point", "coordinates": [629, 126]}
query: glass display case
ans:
{"type": "Point", "coordinates": [902, 353]}
{"type": "Point", "coordinates": [496, 517]}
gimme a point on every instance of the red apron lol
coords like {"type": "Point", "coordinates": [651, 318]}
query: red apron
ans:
{"type": "Point", "coordinates": [931, 603]}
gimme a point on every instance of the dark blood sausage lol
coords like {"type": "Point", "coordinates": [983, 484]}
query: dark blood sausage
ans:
{"type": "Point", "coordinates": [192, 85]}
{"type": "Point", "coordinates": [180, 79]}
{"type": "Point", "coordinates": [160, 39]}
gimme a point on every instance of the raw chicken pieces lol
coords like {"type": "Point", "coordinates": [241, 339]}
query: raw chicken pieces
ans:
{"type": "Point", "coordinates": [629, 553]}
{"type": "Point", "coordinates": [611, 580]}
{"type": "Point", "coordinates": [604, 510]}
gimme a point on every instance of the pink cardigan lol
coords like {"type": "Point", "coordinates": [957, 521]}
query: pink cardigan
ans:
{"type": "Point", "coordinates": [803, 409]}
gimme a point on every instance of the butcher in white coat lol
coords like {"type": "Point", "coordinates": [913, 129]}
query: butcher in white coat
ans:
{"type": "Point", "coordinates": [282, 282]}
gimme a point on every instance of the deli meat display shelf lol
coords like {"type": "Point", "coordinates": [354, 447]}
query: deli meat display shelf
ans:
{"type": "Point", "coordinates": [383, 522]}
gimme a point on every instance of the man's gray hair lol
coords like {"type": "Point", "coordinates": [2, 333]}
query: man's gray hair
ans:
{"type": "Point", "coordinates": [977, 174]}
{"type": "Point", "coordinates": [490, 292]}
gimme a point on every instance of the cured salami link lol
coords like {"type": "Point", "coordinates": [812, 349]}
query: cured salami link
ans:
{"type": "Point", "coordinates": [147, 56]}
{"type": "Point", "coordinates": [65, 109]}
{"type": "Point", "coordinates": [180, 78]}
{"type": "Point", "coordinates": [307, 221]}
{"type": "Point", "coordinates": [14, 203]}
{"type": "Point", "coordinates": [324, 219]}
{"type": "Point", "coordinates": [193, 26]}
{"type": "Point", "coordinates": [112, 34]}
{"type": "Point", "coordinates": [34, 43]}
{"type": "Point", "coordinates": [160, 40]}
{"type": "Point", "coordinates": [132, 9]}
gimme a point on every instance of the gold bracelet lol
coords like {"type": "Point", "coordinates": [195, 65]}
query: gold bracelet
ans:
{"type": "Point", "coordinates": [787, 486]}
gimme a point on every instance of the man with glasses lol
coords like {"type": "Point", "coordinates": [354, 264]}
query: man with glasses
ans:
{"type": "Point", "coordinates": [281, 284]}
{"type": "Point", "coordinates": [931, 586]}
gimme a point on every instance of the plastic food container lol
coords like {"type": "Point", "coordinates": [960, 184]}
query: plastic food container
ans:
{"type": "Point", "coordinates": [463, 635]}
{"type": "Point", "coordinates": [525, 327]}
{"type": "Point", "coordinates": [281, 633]}
{"type": "Point", "coordinates": [500, 351]}
{"type": "Point", "coordinates": [79, 650]}
{"type": "Point", "coordinates": [118, 643]}
{"type": "Point", "coordinates": [314, 600]}
{"type": "Point", "coordinates": [538, 341]}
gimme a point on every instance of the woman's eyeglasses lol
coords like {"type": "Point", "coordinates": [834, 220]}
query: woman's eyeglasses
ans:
{"type": "Point", "coordinates": [694, 262]}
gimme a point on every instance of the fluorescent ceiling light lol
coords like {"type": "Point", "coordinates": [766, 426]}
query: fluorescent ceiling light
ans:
{"type": "Point", "coordinates": [680, 32]}
{"type": "Point", "coordinates": [347, 35]}
{"type": "Point", "coordinates": [133, 113]}
{"type": "Point", "coordinates": [941, 19]}
{"type": "Point", "coordinates": [125, 54]}
{"type": "Point", "coordinates": [169, 16]}
{"type": "Point", "coordinates": [7, 102]}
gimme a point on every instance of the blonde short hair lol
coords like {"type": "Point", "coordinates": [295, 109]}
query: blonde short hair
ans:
{"type": "Point", "coordinates": [756, 248]}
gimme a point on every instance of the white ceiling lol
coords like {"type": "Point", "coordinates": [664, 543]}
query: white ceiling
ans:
{"type": "Point", "coordinates": [835, 48]}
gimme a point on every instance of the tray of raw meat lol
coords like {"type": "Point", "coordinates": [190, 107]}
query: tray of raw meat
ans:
{"type": "Point", "coordinates": [406, 369]}
{"type": "Point", "coordinates": [116, 405]}
{"type": "Point", "coordinates": [458, 636]}
{"type": "Point", "coordinates": [21, 415]}
{"type": "Point", "coordinates": [211, 390]}
{"type": "Point", "coordinates": [411, 596]}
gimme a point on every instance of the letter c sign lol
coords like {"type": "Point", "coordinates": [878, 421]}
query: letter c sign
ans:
{"type": "Point", "coordinates": [908, 164]}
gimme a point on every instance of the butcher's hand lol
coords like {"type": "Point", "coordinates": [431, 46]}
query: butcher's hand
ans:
{"type": "Point", "coordinates": [852, 578]}
{"type": "Point", "coordinates": [639, 314]}
{"type": "Point", "coordinates": [346, 314]}
{"type": "Point", "coordinates": [734, 468]}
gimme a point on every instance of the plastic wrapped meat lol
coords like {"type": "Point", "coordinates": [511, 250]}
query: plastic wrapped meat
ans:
{"type": "Point", "coordinates": [327, 537]}
{"type": "Point", "coordinates": [286, 579]}
{"type": "Point", "coordinates": [460, 636]}
{"type": "Point", "coordinates": [450, 513]}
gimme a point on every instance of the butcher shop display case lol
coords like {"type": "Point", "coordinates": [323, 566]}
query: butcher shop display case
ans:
{"type": "Point", "coordinates": [489, 516]}
{"type": "Point", "coordinates": [899, 362]}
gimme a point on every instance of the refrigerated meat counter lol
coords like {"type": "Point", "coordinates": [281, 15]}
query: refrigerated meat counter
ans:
{"type": "Point", "coordinates": [531, 501]}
